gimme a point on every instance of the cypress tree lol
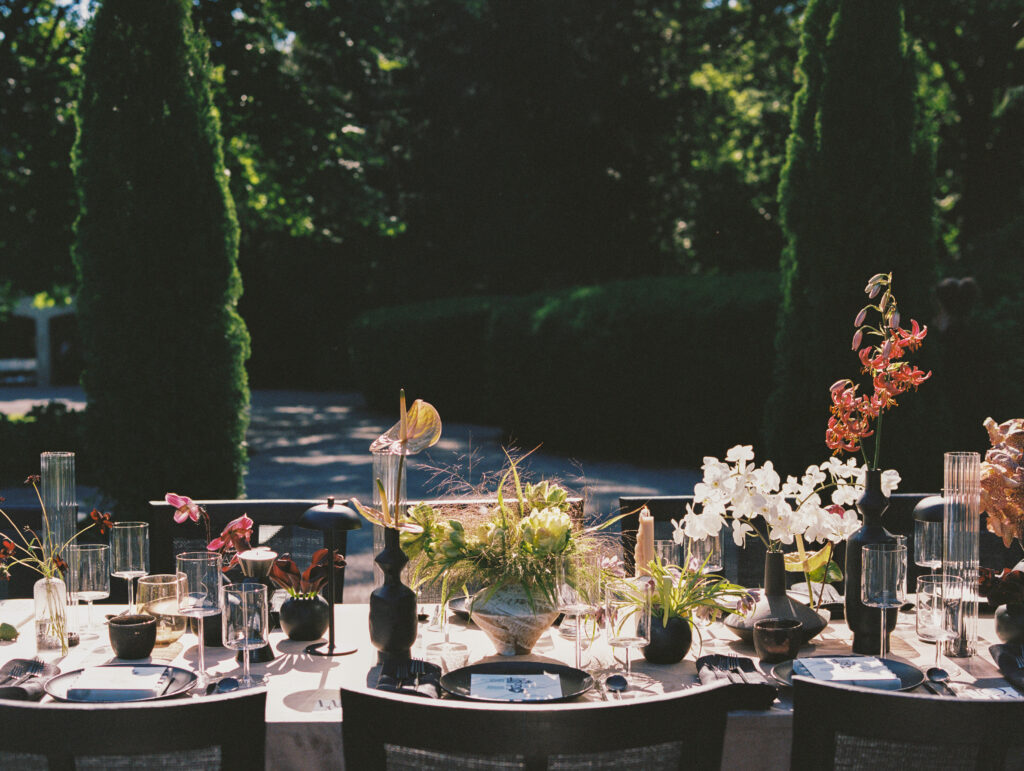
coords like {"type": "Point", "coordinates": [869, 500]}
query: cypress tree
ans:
{"type": "Point", "coordinates": [156, 252]}
{"type": "Point", "coordinates": [855, 200]}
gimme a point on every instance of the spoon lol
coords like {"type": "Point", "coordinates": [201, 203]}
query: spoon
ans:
{"type": "Point", "coordinates": [939, 677]}
{"type": "Point", "coordinates": [616, 684]}
{"type": "Point", "coordinates": [224, 685]}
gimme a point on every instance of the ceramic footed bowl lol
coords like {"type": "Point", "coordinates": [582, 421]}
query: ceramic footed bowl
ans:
{"type": "Point", "coordinates": [510, 621]}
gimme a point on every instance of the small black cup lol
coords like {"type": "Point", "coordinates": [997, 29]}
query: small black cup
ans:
{"type": "Point", "coordinates": [777, 639]}
{"type": "Point", "coordinates": [132, 637]}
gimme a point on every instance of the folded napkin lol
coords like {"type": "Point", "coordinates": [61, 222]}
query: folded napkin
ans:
{"type": "Point", "coordinates": [749, 689]}
{"type": "Point", "coordinates": [30, 690]}
{"type": "Point", "coordinates": [414, 677]}
{"type": "Point", "coordinates": [1006, 657]}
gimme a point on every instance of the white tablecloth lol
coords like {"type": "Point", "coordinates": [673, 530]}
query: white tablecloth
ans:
{"type": "Point", "coordinates": [303, 710]}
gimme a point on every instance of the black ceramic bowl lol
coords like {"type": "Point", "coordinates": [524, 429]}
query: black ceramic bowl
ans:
{"type": "Point", "coordinates": [132, 637]}
{"type": "Point", "coordinates": [777, 639]}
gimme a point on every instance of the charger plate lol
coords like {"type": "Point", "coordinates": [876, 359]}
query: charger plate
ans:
{"type": "Point", "coordinates": [574, 682]}
{"type": "Point", "coordinates": [182, 681]}
{"type": "Point", "coordinates": [909, 675]}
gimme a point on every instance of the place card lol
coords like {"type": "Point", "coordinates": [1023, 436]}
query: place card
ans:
{"type": "Point", "coordinates": [866, 671]}
{"type": "Point", "coordinates": [531, 687]}
{"type": "Point", "coordinates": [119, 682]}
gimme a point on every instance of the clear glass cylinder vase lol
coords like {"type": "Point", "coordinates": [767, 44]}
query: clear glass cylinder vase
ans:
{"type": "Point", "coordinates": [50, 597]}
{"type": "Point", "coordinates": [960, 550]}
{"type": "Point", "coordinates": [57, 489]}
{"type": "Point", "coordinates": [391, 471]}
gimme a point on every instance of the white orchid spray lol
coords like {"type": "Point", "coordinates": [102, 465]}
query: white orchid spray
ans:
{"type": "Point", "coordinates": [755, 503]}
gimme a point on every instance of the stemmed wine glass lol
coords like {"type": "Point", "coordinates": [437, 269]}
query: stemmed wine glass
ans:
{"type": "Point", "coordinates": [628, 618]}
{"type": "Point", "coordinates": [199, 596]}
{"type": "Point", "coordinates": [883, 580]}
{"type": "Point", "coordinates": [89, 566]}
{"type": "Point", "coordinates": [938, 610]}
{"type": "Point", "coordinates": [129, 554]}
{"type": "Point", "coordinates": [451, 655]}
{"type": "Point", "coordinates": [245, 623]}
{"type": "Point", "coordinates": [578, 586]}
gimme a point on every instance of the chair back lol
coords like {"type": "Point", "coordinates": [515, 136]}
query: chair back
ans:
{"type": "Point", "coordinates": [390, 731]}
{"type": "Point", "coordinates": [859, 728]}
{"type": "Point", "coordinates": [215, 732]}
{"type": "Point", "coordinates": [277, 516]}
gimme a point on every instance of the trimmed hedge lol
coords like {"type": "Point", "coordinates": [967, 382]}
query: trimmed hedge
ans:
{"type": "Point", "coordinates": [43, 428]}
{"type": "Point", "coordinates": [660, 370]}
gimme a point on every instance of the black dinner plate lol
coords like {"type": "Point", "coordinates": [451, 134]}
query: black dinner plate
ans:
{"type": "Point", "coordinates": [575, 682]}
{"type": "Point", "coordinates": [909, 675]}
{"type": "Point", "coordinates": [182, 681]}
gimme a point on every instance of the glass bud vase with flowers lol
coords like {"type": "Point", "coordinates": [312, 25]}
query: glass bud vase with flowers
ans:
{"type": "Point", "coordinates": [392, 619]}
{"type": "Point", "coordinates": [43, 555]}
{"type": "Point", "coordinates": [856, 417]}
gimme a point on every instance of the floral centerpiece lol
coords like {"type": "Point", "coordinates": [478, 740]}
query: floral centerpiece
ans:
{"type": "Point", "coordinates": [508, 551]}
{"type": "Point", "coordinates": [856, 417]}
{"type": "Point", "coordinates": [44, 557]}
{"type": "Point", "coordinates": [853, 414]}
{"type": "Point", "coordinates": [305, 614]}
{"type": "Point", "coordinates": [1002, 480]}
{"type": "Point", "coordinates": [678, 595]}
{"type": "Point", "coordinates": [754, 502]}
{"type": "Point", "coordinates": [393, 604]}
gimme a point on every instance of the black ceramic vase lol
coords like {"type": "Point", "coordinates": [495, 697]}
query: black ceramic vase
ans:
{"type": "Point", "coordinates": [392, 605]}
{"type": "Point", "coordinates": [305, 618]}
{"type": "Point", "coordinates": [775, 603]}
{"type": "Point", "coordinates": [864, 621]}
{"type": "Point", "coordinates": [669, 643]}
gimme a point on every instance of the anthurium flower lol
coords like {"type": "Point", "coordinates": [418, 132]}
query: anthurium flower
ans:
{"type": "Point", "coordinates": [416, 430]}
{"type": "Point", "coordinates": [184, 507]}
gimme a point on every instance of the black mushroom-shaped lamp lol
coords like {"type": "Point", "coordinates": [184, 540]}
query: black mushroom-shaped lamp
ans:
{"type": "Point", "coordinates": [331, 519]}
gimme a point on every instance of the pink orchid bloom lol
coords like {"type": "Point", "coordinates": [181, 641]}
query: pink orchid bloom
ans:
{"type": "Point", "coordinates": [236, 534]}
{"type": "Point", "coordinates": [184, 507]}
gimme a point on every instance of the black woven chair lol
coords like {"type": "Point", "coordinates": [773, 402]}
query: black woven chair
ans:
{"type": "Point", "coordinates": [217, 732]}
{"type": "Point", "coordinates": [859, 728]}
{"type": "Point", "coordinates": [674, 731]}
{"type": "Point", "coordinates": [168, 538]}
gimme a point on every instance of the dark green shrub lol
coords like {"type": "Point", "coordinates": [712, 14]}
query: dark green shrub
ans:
{"type": "Point", "coordinates": [156, 251]}
{"type": "Point", "coordinates": [855, 200]}
{"type": "Point", "coordinates": [664, 370]}
{"type": "Point", "coordinates": [44, 428]}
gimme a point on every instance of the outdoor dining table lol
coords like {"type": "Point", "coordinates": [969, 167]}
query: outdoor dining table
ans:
{"type": "Point", "coordinates": [303, 709]}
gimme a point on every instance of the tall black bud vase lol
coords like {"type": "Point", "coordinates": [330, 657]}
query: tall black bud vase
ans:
{"type": "Point", "coordinates": [864, 622]}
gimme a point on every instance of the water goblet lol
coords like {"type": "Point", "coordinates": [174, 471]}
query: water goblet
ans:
{"type": "Point", "coordinates": [578, 586]}
{"type": "Point", "coordinates": [129, 554]}
{"type": "Point", "coordinates": [158, 596]}
{"type": "Point", "coordinates": [245, 621]}
{"type": "Point", "coordinates": [883, 579]}
{"type": "Point", "coordinates": [928, 544]}
{"type": "Point", "coordinates": [628, 618]}
{"type": "Point", "coordinates": [705, 555]}
{"type": "Point", "coordinates": [89, 577]}
{"type": "Point", "coordinates": [450, 655]}
{"type": "Point", "coordinates": [199, 596]}
{"type": "Point", "coordinates": [938, 603]}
